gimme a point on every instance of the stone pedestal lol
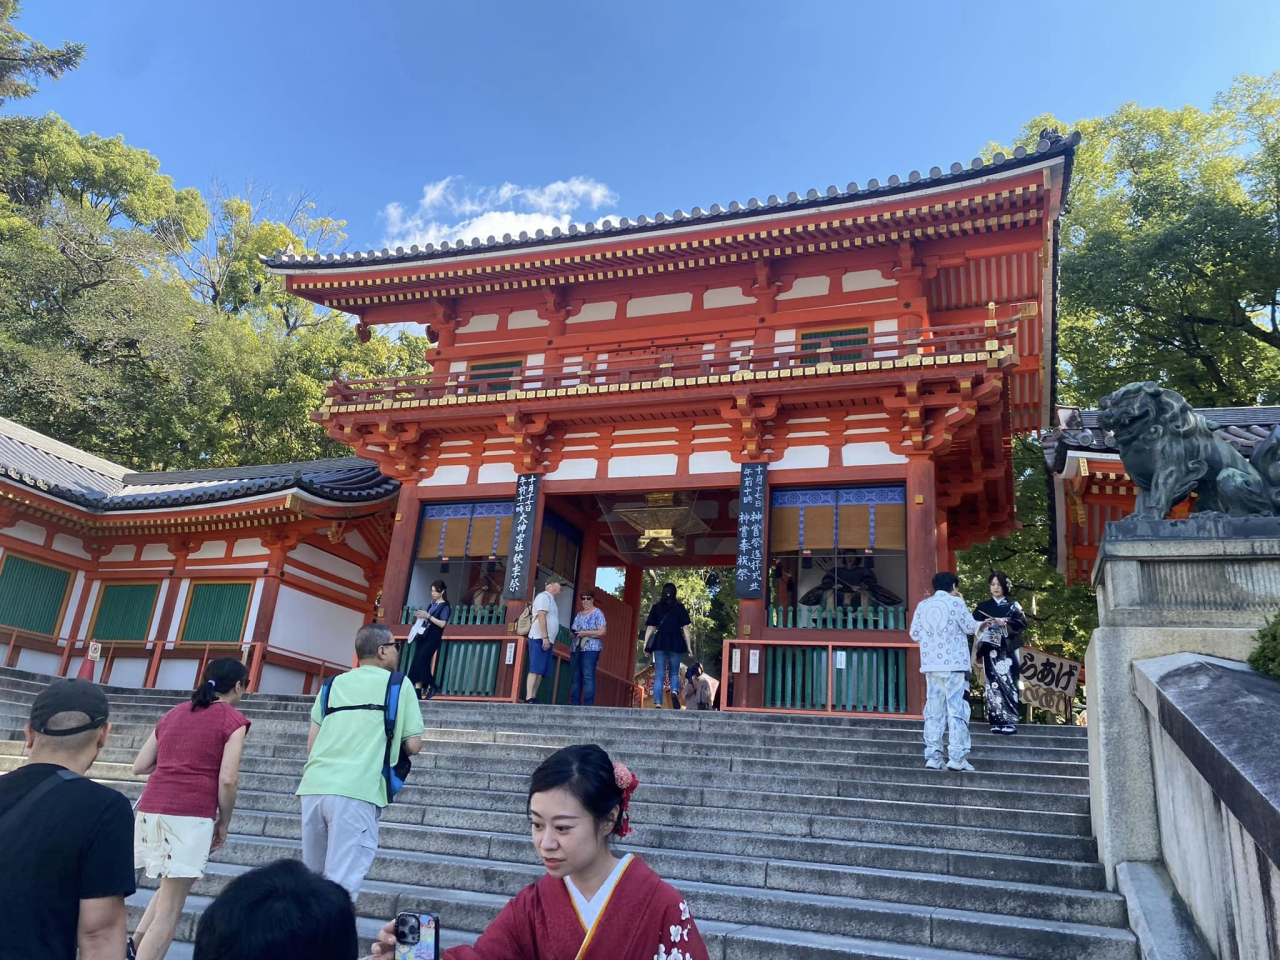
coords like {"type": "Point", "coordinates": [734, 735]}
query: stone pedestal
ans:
{"type": "Point", "coordinates": [1203, 585]}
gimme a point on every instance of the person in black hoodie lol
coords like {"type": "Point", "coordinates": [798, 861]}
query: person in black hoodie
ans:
{"type": "Point", "coordinates": [999, 638]}
{"type": "Point", "coordinates": [667, 638]}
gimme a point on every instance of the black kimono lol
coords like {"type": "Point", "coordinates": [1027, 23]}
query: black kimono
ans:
{"type": "Point", "coordinates": [998, 651]}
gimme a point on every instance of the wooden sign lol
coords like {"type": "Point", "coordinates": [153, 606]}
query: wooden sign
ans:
{"type": "Point", "coordinates": [1047, 682]}
{"type": "Point", "coordinates": [520, 556]}
{"type": "Point", "coordinates": [752, 498]}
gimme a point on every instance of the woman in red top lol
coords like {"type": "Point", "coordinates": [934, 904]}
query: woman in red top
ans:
{"type": "Point", "coordinates": [193, 758]}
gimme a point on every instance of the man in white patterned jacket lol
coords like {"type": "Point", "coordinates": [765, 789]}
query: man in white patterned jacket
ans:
{"type": "Point", "coordinates": [942, 626]}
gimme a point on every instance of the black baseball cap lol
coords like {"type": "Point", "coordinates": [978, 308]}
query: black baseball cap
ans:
{"type": "Point", "coordinates": [69, 696]}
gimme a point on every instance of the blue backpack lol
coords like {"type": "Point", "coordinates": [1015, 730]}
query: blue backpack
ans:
{"type": "Point", "coordinates": [395, 774]}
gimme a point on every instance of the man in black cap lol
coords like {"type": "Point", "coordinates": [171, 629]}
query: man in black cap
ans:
{"type": "Point", "coordinates": [67, 841]}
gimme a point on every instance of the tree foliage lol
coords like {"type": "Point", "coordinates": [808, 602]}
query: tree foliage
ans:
{"type": "Point", "coordinates": [707, 593]}
{"type": "Point", "coordinates": [24, 62]}
{"type": "Point", "coordinates": [137, 321]}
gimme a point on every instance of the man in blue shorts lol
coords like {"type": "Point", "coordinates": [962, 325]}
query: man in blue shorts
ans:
{"type": "Point", "coordinates": [542, 635]}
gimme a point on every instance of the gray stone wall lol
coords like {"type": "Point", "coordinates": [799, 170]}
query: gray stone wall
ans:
{"type": "Point", "coordinates": [1209, 715]}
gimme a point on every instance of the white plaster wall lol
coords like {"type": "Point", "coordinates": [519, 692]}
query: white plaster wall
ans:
{"type": "Point", "coordinates": [446, 476]}
{"type": "Point", "coordinates": [127, 673]}
{"type": "Point", "coordinates": [662, 303]}
{"type": "Point", "coordinates": [69, 614]}
{"type": "Point", "coordinates": [178, 608]}
{"type": "Point", "coordinates": [725, 297]}
{"type": "Point", "coordinates": [22, 530]}
{"type": "Point", "coordinates": [357, 543]}
{"type": "Point", "coordinates": [156, 551]}
{"type": "Point", "coordinates": [712, 461]}
{"type": "Point", "coordinates": [355, 593]}
{"type": "Point", "coordinates": [280, 679]}
{"type": "Point", "coordinates": [807, 287]}
{"type": "Point", "coordinates": [68, 544]}
{"type": "Point", "coordinates": [37, 661]}
{"type": "Point", "coordinates": [592, 312]}
{"type": "Point", "coordinates": [306, 553]}
{"type": "Point", "coordinates": [866, 280]}
{"type": "Point", "coordinates": [213, 550]}
{"type": "Point", "coordinates": [249, 548]}
{"type": "Point", "coordinates": [890, 328]}
{"type": "Point", "coordinates": [176, 674]}
{"type": "Point", "coordinates": [496, 473]}
{"type": "Point", "coordinates": [120, 553]}
{"type": "Point", "coordinates": [871, 454]}
{"type": "Point", "coordinates": [480, 323]}
{"type": "Point", "coordinates": [576, 468]}
{"type": "Point", "coordinates": [155, 614]}
{"type": "Point", "coordinates": [658, 465]}
{"type": "Point", "coordinates": [316, 627]}
{"type": "Point", "coordinates": [525, 319]}
{"type": "Point", "coordinates": [255, 601]}
{"type": "Point", "coordinates": [90, 605]}
{"type": "Point", "coordinates": [803, 456]}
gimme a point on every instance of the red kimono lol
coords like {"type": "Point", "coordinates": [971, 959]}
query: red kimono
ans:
{"type": "Point", "coordinates": [645, 918]}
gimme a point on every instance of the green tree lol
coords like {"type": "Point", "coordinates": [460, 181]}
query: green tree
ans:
{"type": "Point", "coordinates": [713, 610]}
{"type": "Point", "coordinates": [1060, 618]}
{"type": "Point", "coordinates": [24, 62]}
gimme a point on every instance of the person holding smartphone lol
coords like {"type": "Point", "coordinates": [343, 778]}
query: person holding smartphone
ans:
{"type": "Point", "coordinates": [425, 639]}
{"type": "Point", "coordinates": [1002, 624]}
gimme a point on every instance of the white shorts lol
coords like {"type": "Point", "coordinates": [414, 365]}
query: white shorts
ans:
{"type": "Point", "coordinates": [168, 846]}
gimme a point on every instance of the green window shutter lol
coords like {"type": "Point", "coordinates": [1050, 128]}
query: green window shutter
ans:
{"type": "Point", "coordinates": [216, 612]}
{"type": "Point", "coordinates": [497, 375]}
{"type": "Point", "coordinates": [125, 611]}
{"type": "Point", "coordinates": [845, 344]}
{"type": "Point", "coordinates": [31, 594]}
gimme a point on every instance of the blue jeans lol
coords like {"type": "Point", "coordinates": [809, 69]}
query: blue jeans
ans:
{"type": "Point", "coordinates": [584, 677]}
{"type": "Point", "coordinates": [666, 673]}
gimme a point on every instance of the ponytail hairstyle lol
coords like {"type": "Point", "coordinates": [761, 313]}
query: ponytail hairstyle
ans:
{"type": "Point", "coordinates": [439, 587]}
{"type": "Point", "coordinates": [603, 787]}
{"type": "Point", "coordinates": [220, 676]}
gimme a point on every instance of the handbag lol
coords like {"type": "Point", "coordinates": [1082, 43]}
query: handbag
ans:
{"type": "Point", "coordinates": [648, 644]}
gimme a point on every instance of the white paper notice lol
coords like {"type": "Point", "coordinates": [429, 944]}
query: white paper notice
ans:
{"type": "Point", "coordinates": [754, 662]}
{"type": "Point", "coordinates": [841, 659]}
{"type": "Point", "coordinates": [511, 653]}
{"type": "Point", "coordinates": [736, 661]}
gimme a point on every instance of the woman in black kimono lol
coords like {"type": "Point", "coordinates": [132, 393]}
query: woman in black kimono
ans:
{"type": "Point", "coordinates": [999, 638]}
{"type": "Point", "coordinates": [424, 642]}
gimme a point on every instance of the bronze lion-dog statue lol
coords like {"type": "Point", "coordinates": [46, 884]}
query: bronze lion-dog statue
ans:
{"type": "Point", "coordinates": [1170, 452]}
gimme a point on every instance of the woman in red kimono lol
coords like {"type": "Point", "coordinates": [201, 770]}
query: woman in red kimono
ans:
{"type": "Point", "coordinates": [591, 904]}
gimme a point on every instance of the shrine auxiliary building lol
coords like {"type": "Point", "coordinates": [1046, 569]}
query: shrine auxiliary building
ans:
{"type": "Point", "coordinates": [820, 390]}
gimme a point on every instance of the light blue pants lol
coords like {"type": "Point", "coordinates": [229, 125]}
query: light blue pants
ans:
{"type": "Point", "coordinates": [945, 707]}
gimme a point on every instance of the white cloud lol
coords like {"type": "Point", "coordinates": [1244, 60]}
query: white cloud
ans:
{"type": "Point", "coordinates": [452, 210]}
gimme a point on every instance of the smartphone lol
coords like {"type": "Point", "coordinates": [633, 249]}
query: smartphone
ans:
{"type": "Point", "coordinates": [417, 936]}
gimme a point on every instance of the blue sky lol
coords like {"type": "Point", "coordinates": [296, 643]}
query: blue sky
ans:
{"type": "Point", "coordinates": [423, 120]}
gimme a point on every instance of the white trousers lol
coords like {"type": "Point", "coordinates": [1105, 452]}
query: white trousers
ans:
{"type": "Point", "coordinates": [339, 839]}
{"type": "Point", "coordinates": [945, 708]}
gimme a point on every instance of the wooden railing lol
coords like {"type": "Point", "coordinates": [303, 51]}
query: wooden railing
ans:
{"type": "Point", "coordinates": [477, 615]}
{"type": "Point", "coordinates": [690, 364]}
{"type": "Point", "coordinates": [838, 618]}
{"type": "Point", "coordinates": [837, 676]}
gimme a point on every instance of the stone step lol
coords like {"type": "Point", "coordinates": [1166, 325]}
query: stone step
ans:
{"type": "Point", "coordinates": [163, 699]}
{"type": "Point", "coordinates": [434, 884]}
{"type": "Point", "coordinates": [725, 941]}
{"type": "Point", "coordinates": [668, 801]}
{"type": "Point", "coordinates": [773, 737]}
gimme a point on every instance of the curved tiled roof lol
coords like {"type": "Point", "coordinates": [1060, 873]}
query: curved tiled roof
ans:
{"type": "Point", "coordinates": [62, 471]}
{"type": "Point", "coordinates": [1051, 144]}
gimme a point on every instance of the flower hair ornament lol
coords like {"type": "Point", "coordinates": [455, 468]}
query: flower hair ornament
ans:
{"type": "Point", "coordinates": [627, 783]}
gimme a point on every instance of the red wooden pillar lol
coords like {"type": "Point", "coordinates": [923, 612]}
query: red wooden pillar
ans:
{"type": "Point", "coordinates": [395, 585]}
{"type": "Point", "coordinates": [946, 557]}
{"type": "Point", "coordinates": [180, 551]}
{"type": "Point", "coordinates": [632, 596]}
{"type": "Point", "coordinates": [923, 543]}
{"type": "Point", "coordinates": [589, 560]}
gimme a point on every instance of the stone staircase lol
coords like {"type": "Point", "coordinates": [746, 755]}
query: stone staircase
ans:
{"type": "Point", "coordinates": [790, 836]}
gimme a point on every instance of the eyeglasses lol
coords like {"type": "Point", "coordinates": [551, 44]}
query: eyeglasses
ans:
{"type": "Point", "coordinates": [398, 644]}
{"type": "Point", "coordinates": [588, 599]}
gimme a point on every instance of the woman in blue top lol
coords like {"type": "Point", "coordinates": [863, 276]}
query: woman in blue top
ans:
{"type": "Point", "coordinates": [588, 627]}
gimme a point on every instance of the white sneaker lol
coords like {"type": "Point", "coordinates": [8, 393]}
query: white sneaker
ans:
{"type": "Point", "coordinates": [963, 766]}
{"type": "Point", "coordinates": [934, 764]}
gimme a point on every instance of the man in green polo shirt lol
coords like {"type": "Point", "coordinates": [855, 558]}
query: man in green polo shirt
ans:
{"type": "Point", "coordinates": [343, 790]}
